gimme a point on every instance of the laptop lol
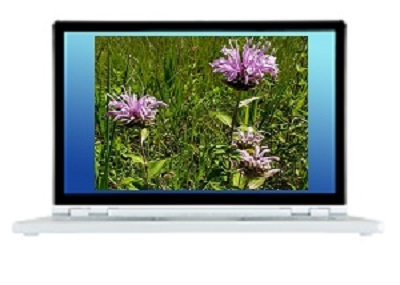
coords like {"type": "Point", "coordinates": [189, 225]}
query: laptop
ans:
{"type": "Point", "coordinates": [199, 127]}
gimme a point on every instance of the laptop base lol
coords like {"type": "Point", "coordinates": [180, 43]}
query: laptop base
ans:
{"type": "Point", "coordinates": [59, 224]}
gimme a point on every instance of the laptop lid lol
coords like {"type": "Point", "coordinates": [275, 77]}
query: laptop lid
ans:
{"type": "Point", "coordinates": [199, 113]}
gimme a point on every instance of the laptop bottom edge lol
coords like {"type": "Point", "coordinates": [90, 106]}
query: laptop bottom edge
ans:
{"type": "Point", "coordinates": [54, 224]}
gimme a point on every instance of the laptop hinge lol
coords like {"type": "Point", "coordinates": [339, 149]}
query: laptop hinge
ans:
{"type": "Point", "coordinates": [319, 212]}
{"type": "Point", "coordinates": [125, 212]}
{"type": "Point", "coordinates": [312, 212]}
{"type": "Point", "coordinates": [85, 212]}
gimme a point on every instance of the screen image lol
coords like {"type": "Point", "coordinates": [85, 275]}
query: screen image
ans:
{"type": "Point", "coordinates": [199, 112]}
{"type": "Point", "coordinates": [213, 113]}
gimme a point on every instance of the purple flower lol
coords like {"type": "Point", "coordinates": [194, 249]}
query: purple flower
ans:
{"type": "Point", "coordinates": [256, 164]}
{"type": "Point", "coordinates": [247, 71]}
{"type": "Point", "coordinates": [131, 110]}
{"type": "Point", "coordinates": [248, 139]}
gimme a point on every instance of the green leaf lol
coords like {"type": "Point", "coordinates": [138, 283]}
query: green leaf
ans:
{"type": "Point", "coordinates": [144, 133]}
{"type": "Point", "coordinates": [254, 183]}
{"type": "Point", "coordinates": [132, 183]}
{"type": "Point", "coordinates": [215, 185]}
{"type": "Point", "coordinates": [238, 180]}
{"type": "Point", "coordinates": [126, 183]}
{"type": "Point", "coordinates": [235, 179]}
{"type": "Point", "coordinates": [135, 158]}
{"type": "Point", "coordinates": [300, 69]}
{"type": "Point", "coordinates": [246, 116]}
{"type": "Point", "coordinates": [247, 101]}
{"type": "Point", "coordinates": [224, 118]}
{"type": "Point", "coordinates": [127, 180]}
{"type": "Point", "coordinates": [155, 167]}
{"type": "Point", "coordinates": [220, 149]}
{"type": "Point", "coordinates": [117, 144]}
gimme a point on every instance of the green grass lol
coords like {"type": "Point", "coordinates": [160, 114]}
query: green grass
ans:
{"type": "Point", "coordinates": [188, 147]}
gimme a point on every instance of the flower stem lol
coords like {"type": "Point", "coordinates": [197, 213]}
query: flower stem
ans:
{"type": "Point", "coordinates": [109, 146]}
{"type": "Point", "coordinates": [145, 166]}
{"type": "Point", "coordinates": [234, 116]}
{"type": "Point", "coordinates": [234, 119]}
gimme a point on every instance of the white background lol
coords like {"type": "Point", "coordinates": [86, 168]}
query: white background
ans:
{"type": "Point", "coordinates": [26, 165]}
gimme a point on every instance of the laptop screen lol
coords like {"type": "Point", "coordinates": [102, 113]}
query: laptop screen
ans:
{"type": "Point", "coordinates": [169, 112]}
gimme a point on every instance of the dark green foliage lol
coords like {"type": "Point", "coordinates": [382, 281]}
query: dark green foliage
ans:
{"type": "Point", "coordinates": [188, 147]}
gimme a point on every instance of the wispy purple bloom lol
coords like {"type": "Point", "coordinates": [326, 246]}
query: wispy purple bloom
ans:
{"type": "Point", "coordinates": [131, 110]}
{"type": "Point", "coordinates": [249, 139]}
{"type": "Point", "coordinates": [256, 164]}
{"type": "Point", "coordinates": [247, 70]}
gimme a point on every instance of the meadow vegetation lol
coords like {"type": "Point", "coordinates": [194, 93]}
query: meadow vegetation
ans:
{"type": "Point", "coordinates": [189, 145]}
